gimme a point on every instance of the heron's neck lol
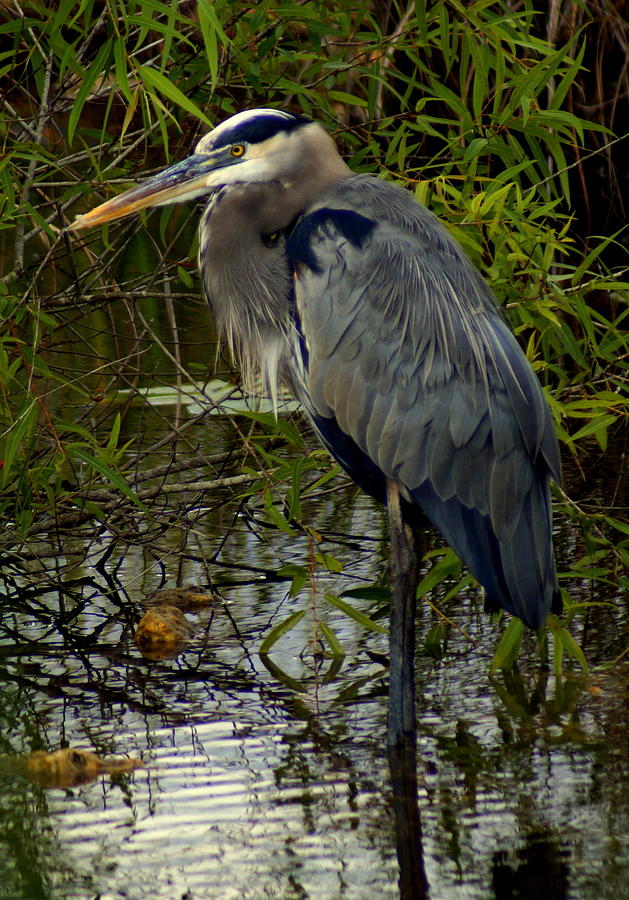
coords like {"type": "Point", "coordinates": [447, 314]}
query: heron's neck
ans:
{"type": "Point", "coordinates": [242, 256]}
{"type": "Point", "coordinates": [246, 276]}
{"type": "Point", "coordinates": [315, 164]}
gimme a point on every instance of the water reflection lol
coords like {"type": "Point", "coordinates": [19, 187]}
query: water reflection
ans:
{"type": "Point", "coordinates": [538, 869]}
{"type": "Point", "coordinates": [252, 788]}
{"type": "Point", "coordinates": [412, 881]}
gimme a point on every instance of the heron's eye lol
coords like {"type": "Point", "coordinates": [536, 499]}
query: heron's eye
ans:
{"type": "Point", "coordinates": [237, 150]}
{"type": "Point", "coordinates": [270, 240]}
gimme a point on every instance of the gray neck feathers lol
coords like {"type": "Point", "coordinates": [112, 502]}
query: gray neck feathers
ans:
{"type": "Point", "coordinates": [242, 252]}
{"type": "Point", "coordinates": [246, 276]}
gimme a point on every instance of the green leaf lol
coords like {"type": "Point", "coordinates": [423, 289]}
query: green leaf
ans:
{"type": "Point", "coordinates": [211, 30]}
{"type": "Point", "coordinates": [434, 641]}
{"type": "Point", "coordinates": [280, 630]}
{"type": "Point", "coordinates": [508, 647]}
{"type": "Point", "coordinates": [293, 495]}
{"type": "Point", "coordinates": [355, 614]}
{"type": "Point", "coordinates": [336, 648]}
{"type": "Point", "coordinates": [273, 424]}
{"type": "Point", "coordinates": [153, 79]}
{"type": "Point", "coordinates": [279, 520]}
{"type": "Point", "coordinates": [121, 62]}
{"type": "Point", "coordinates": [15, 438]}
{"type": "Point", "coordinates": [208, 15]}
{"type": "Point", "coordinates": [568, 643]}
{"type": "Point", "coordinates": [449, 564]}
{"type": "Point", "coordinates": [112, 442]}
{"type": "Point", "coordinates": [374, 593]}
{"type": "Point", "coordinates": [112, 477]}
{"type": "Point", "coordinates": [344, 97]}
{"type": "Point", "coordinates": [185, 277]}
{"type": "Point", "coordinates": [333, 472]}
{"type": "Point", "coordinates": [299, 576]}
{"type": "Point", "coordinates": [96, 71]}
{"type": "Point", "coordinates": [329, 562]}
{"type": "Point", "coordinates": [598, 427]}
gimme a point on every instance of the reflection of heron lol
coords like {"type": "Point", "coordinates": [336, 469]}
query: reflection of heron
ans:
{"type": "Point", "coordinates": [355, 295]}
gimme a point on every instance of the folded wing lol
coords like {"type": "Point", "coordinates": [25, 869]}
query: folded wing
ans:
{"type": "Point", "coordinates": [411, 373]}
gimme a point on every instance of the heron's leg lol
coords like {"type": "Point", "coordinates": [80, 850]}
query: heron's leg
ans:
{"type": "Point", "coordinates": [404, 562]}
{"type": "Point", "coordinates": [408, 830]}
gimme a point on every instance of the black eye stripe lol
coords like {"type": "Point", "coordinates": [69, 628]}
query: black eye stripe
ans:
{"type": "Point", "coordinates": [257, 129]}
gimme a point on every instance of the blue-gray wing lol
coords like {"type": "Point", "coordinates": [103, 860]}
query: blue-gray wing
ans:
{"type": "Point", "coordinates": [409, 372]}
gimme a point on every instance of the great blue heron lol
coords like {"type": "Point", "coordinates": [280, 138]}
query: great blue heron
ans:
{"type": "Point", "coordinates": [356, 296]}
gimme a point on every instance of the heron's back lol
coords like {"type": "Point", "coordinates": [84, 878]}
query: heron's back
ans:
{"type": "Point", "coordinates": [410, 373]}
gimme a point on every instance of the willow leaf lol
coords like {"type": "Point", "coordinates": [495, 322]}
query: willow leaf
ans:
{"type": "Point", "coordinates": [280, 630]}
{"type": "Point", "coordinates": [152, 78]}
{"type": "Point", "coordinates": [355, 614]}
{"type": "Point", "coordinates": [508, 646]}
{"type": "Point", "coordinates": [331, 640]}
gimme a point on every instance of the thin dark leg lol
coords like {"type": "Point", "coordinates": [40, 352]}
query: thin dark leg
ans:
{"type": "Point", "coordinates": [404, 562]}
{"type": "Point", "coordinates": [408, 829]}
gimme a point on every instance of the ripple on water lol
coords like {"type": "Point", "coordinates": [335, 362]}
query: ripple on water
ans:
{"type": "Point", "coordinates": [215, 813]}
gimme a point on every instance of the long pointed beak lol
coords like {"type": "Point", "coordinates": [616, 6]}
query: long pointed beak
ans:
{"type": "Point", "coordinates": [183, 181]}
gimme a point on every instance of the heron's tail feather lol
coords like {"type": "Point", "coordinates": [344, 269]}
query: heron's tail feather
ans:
{"type": "Point", "coordinates": [519, 574]}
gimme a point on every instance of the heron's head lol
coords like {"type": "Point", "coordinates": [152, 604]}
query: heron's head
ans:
{"type": "Point", "coordinates": [259, 145]}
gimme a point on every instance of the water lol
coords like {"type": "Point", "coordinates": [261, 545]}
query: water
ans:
{"type": "Point", "coordinates": [273, 782]}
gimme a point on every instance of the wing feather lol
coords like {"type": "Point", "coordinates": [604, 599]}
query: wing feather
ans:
{"type": "Point", "coordinates": [409, 356]}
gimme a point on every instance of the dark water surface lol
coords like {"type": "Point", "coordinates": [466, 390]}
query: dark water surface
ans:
{"type": "Point", "coordinates": [254, 789]}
